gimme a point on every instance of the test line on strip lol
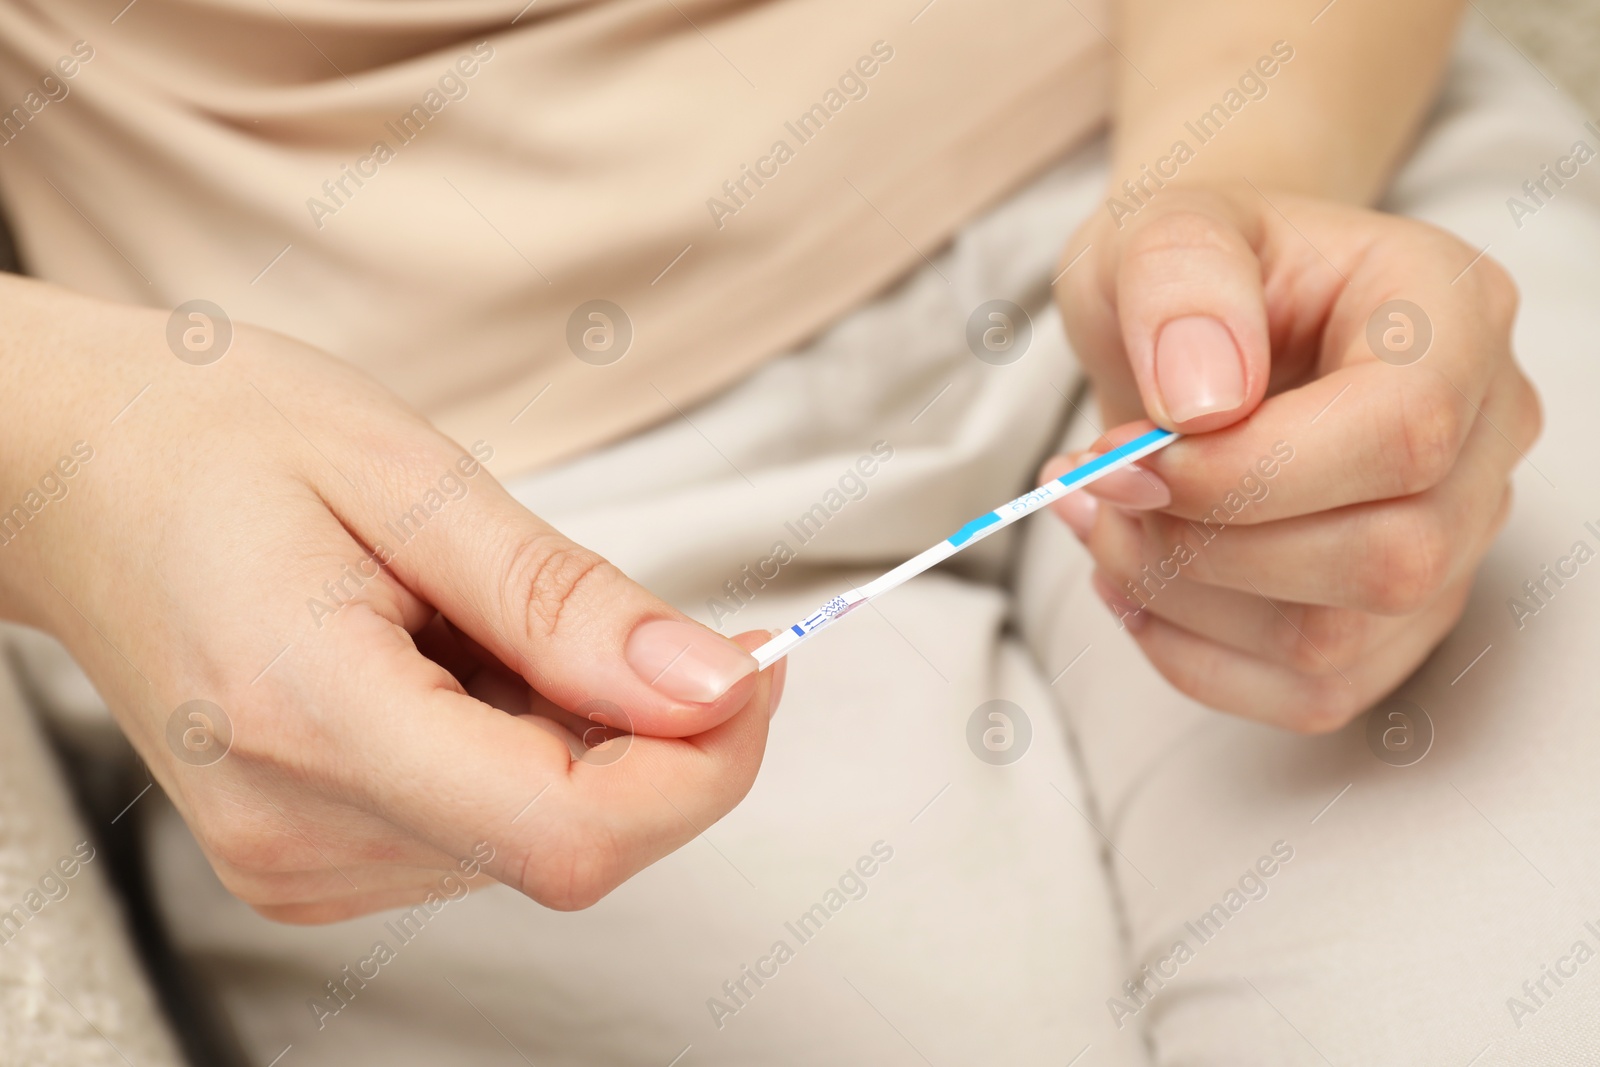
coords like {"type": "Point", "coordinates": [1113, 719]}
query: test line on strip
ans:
{"type": "Point", "coordinates": [971, 533]}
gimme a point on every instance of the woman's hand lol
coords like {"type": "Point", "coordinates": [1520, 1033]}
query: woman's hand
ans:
{"type": "Point", "coordinates": [406, 674]}
{"type": "Point", "coordinates": [1300, 555]}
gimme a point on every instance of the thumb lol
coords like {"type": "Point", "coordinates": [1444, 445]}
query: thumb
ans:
{"type": "Point", "coordinates": [578, 630]}
{"type": "Point", "coordinates": [1192, 311]}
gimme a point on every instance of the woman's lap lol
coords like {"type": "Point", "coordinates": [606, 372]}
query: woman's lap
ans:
{"type": "Point", "coordinates": [1426, 885]}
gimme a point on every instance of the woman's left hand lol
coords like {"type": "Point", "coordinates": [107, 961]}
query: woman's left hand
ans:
{"type": "Point", "coordinates": [1356, 412]}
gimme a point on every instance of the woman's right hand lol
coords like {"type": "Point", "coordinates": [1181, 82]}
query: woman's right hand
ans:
{"type": "Point", "coordinates": [377, 726]}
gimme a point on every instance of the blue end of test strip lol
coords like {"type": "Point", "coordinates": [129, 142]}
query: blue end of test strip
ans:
{"type": "Point", "coordinates": [963, 535]}
{"type": "Point", "coordinates": [1077, 474]}
{"type": "Point", "coordinates": [1144, 440]}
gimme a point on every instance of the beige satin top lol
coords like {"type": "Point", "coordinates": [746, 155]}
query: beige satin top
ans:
{"type": "Point", "coordinates": [439, 191]}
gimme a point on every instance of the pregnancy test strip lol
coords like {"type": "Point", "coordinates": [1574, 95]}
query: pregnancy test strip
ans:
{"type": "Point", "coordinates": [970, 534]}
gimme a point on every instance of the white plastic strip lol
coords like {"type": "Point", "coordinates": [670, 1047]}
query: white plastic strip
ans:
{"type": "Point", "coordinates": [969, 534]}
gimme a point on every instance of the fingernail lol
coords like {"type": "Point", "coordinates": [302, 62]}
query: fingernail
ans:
{"type": "Point", "coordinates": [1129, 613]}
{"type": "Point", "coordinates": [1078, 510]}
{"type": "Point", "coordinates": [685, 661]}
{"type": "Point", "coordinates": [1132, 487]}
{"type": "Point", "coordinates": [1198, 368]}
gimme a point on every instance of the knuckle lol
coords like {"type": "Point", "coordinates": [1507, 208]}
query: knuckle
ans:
{"type": "Point", "coordinates": [1327, 640]}
{"type": "Point", "coordinates": [1184, 230]}
{"type": "Point", "coordinates": [1529, 418]}
{"type": "Point", "coordinates": [1330, 703]}
{"type": "Point", "coordinates": [574, 876]}
{"type": "Point", "coordinates": [1409, 562]}
{"type": "Point", "coordinates": [1174, 548]}
{"type": "Point", "coordinates": [1184, 678]}
{"type": "Point", "coordinates": [1157, 540]}
{"type": "Point", "coordinates": [1502, 511]}
{"type": "Point", "coordinates": [1120, 544]}
{"type": "Point", "coordinates": [1501, 296]}
{"type": "Point", "coordinates": [1196, 677]}
{"type": "Point", "coordinates": [1428, 435]}
{"type": "Point", "coordinates": [246, 848]}
{"type": "Point", "coordinates": [544, 576]}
